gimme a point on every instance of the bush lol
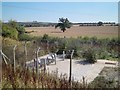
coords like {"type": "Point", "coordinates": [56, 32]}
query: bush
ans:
{"type": "Point", "coordinates": [10, 32]}
{"type": "Point", "coordinates": [13, 30]}
{"type": "Point", "coordinates": [102, 47]}
{"type": "Point", "coordinates": [21, 29]}
{"type": "Point", "coordinates": [24, 37]}
{"type": "Point", "coordinates": [90, 56]}
{"type": "Point", "coordinates": [45, 38]}
{"type": "Point", "coordinates": [103, 55]}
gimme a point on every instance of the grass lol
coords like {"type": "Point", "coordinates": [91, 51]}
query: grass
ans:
{"type": "Point", "coordinates": [25, 78]}
{"type": "Point", "coordinates": [107, 78]}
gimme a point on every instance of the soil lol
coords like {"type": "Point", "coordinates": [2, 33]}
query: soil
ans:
{"type": "Point", "coordinates": [76, 31]}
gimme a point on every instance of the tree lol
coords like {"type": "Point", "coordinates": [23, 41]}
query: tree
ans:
{"type": "Point", "coordinates": [100, 23]}
{"type": "Point", "coordinates": [15, 31]}
{"type": "Point", "coordinates": [45, 38]}
{"type": "Point", "coordinates": [10, 32]}
{"type": "Point", "coordinates": [63, 24]}
{"type": "Point", "coordinates": [13, 24]}
{"type": "Point", "coordinates": [24, 37]}
{"type": "Point", "coordinates": [20, 29]}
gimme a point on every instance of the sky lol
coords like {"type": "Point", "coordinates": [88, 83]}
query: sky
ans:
{"type": "Point", "coordinates": [52, 11]}
{"type": "Point", "coordinates": [60, 0]}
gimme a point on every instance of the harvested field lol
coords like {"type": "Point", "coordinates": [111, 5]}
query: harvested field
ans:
{"type": "Point", "coordinates": [76, 31]}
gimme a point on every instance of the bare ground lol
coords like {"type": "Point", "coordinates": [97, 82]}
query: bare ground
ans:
{"type": "Point", "coordinates": [80, 68]}
{"type": "Point", "coordinates": [76, 31]}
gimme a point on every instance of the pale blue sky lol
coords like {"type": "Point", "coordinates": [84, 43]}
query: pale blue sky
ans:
{"type": "Point", "coordinates": [51, 11]}
{"type": "Point", "coordinates": [60, 0]}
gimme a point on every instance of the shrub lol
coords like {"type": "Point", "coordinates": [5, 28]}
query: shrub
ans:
{"type": "Point", "coordinates": [90, 56]}
{"type": "Point", "coordinates": [102, 81]}
{"type": "Point", "coordinates": [10, 32]}
{"type": "Point", "coordinates": [21, 29]}
{"type": "Point", "coordinates": [45, 38]}
{"type": "Point", "coordinates": [24, 37]}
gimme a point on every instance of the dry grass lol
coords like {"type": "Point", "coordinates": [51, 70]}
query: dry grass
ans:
{"type": "Point", "coordinates": [75, 31]}
{"type": "Point", "coordinates": [26, 78]}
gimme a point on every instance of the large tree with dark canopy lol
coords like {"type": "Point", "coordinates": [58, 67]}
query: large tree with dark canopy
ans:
{"type": "Point", "coordinates": [100, 23]}
{"type": "Point", "coordinates": [63, 24]}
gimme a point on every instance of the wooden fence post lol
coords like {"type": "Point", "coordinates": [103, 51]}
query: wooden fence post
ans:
{"type": "Point", "coordinates": [37, 59]}
{"type": "Point", "coordinates": [25, 51]}
{"type": "Point", "coordinates": [63, 55]}
{"type": "Point", "coordinates": [55, 58]}
{"type": "Point", "coordinates": [45, 64]}
{"type": "Point", "coordinates": [14, 56]}
{"type": "Point", "coordinates": [71, 55]}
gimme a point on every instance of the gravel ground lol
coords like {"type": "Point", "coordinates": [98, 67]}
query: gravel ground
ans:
{"type": "Point", "coordinates": [79, 68]}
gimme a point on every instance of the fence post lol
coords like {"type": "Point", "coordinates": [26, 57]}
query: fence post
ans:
{"type": "Point", "coordinates": [14, 56]}
{"type": "Point", "coordinates": [25, 50]}
{"type": "Point", "coordinates": [47, 46]}
{"type": "Point", "coordinates": [71, 55]}
{"type": "Point", "coordinates": [45, 64]}
{"type": "Point", "coordinates": [55, 58]}
{"type": "Point", "coordinates": [63, 55]}
{"type": "Point", "coordinates": [37, 60]}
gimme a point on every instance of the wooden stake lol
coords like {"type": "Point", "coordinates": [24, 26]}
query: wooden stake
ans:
{"type": "Point", "coordinates": [45, 65]}
{"type": "Point", "coordinates": [63, 55]}
{"type": "Point", "coordinates": [14, 56]}
{"type": "Point", "coordinates": [37, 59]}
{"type": "Point", "coordinates": [25, 50]}
{"type": "Point", "coordinates": [55, 58]}
{"type": "Point", "coordinates": [71, 66]}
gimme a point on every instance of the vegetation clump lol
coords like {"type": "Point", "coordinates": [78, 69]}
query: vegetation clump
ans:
{"type": "Point", "coordinates": [90, 56]}
{"type": "Point", "coordinates": [15, 31]}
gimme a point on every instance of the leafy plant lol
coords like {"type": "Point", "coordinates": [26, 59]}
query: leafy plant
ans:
{"type": "Point", "coordinates": [25, 37]}
{"type": "Point", "coordinates": [89, 55]}
{"type": "Point", "coordinates": [10, 32]}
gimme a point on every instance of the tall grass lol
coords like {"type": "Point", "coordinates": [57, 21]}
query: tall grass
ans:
{"type": "Point", "coordinates": [25, 78]}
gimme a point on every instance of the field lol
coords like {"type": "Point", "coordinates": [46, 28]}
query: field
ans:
{"type": "Point", "coordinates": [76, 31]}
